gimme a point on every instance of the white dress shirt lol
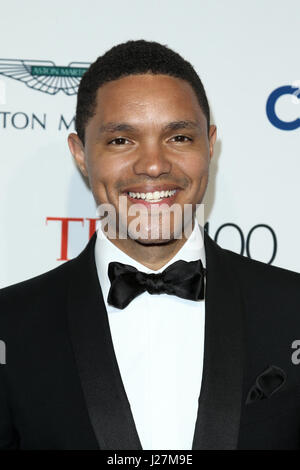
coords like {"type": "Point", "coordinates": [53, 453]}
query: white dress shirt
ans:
{"type": "Point", "coordinates": [159, 342]}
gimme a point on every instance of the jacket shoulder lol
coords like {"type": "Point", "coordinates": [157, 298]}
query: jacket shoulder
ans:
{"type": "Point", "coordinates": [57, 276]}
{"type": "Point", "coordinates": [247, 267]}
{"type": "Point", "coordinates": [45, 292]}
{"type": "Point", "coordinates": [37, 291]}
{"type": "Point", "coordinates": [266, 288]}
{"type": "Point", "coordinates": [258, 268]}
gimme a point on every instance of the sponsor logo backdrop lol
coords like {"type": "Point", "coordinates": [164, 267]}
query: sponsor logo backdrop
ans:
{"type": "Point", "coordinates": [246, 55]}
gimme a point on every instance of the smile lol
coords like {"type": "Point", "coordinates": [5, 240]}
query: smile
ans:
{"type": "Point", "coordinates": [155, 196]}
{"type": "Point", "coordinates": [150, 198]}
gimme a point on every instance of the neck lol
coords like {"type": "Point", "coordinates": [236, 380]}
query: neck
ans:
{"type": "Point", "coordinates": [154, 255]}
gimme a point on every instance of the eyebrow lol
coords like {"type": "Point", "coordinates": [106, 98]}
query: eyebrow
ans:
{"type": "Point", "coordinates": [112, 127]}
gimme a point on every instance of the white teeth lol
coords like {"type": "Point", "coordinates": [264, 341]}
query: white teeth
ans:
{"type": "Point", "coordinates": [156, 195]}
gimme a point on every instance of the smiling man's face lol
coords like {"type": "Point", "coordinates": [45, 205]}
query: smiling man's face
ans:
{"type": "Point", "coordinates": [148, 136]}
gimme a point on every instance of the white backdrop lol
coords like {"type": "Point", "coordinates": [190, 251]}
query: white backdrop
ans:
{"type": "Point", "coordinates": [243, 51]}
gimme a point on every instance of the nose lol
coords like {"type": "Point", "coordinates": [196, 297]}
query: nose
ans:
{"type": "Point", "coordinates": [152, 161]}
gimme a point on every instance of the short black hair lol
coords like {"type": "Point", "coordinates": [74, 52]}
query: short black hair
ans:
{"type": "Point", "coordinates": [132, 58]}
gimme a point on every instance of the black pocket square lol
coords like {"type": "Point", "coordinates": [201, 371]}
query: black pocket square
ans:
{"type": "Point", "coordinates": [266, 384]}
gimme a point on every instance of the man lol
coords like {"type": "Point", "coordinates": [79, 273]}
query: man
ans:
{"type": "Point", "coordinates": [149, 341]}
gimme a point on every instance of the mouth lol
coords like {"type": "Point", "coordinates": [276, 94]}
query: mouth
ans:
{"type": "Point", "coordinates": [156, 196]}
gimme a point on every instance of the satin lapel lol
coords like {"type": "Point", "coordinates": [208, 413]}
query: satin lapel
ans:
{"type": "Point", "coordinates": [218, 419]}
{"type": "Point", "coordinates": [105, 396]}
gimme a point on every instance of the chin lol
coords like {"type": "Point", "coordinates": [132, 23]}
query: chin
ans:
{"type": "Point", "coordinates": [153, 241]}
{"type": "Point", "coordinates": [145, 237]}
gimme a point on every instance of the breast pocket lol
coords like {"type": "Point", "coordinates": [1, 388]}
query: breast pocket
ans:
{"type": "Point", "coordinates": [283, 402]}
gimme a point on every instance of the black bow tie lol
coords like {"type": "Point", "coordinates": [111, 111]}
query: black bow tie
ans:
{"type": "Point", "coordinates": [183, 278]}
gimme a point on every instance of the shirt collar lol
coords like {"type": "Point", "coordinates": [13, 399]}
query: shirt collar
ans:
{"type": "Point", "coordinates": [106, 252]}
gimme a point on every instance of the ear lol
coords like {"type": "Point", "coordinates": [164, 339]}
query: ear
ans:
{"type": "Point", "coordinates": [212, 135]}
{"type": "Point", "coordinates": [77, 150]}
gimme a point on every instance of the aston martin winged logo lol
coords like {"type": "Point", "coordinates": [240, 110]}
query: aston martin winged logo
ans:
{"type": "Point", "coordinates": [44, 75]}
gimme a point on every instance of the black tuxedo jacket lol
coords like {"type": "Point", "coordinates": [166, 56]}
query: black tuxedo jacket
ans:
{"type": "Point", "coordinates": [61, 387]}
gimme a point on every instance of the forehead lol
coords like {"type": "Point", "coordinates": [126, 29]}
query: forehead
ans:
{"type": "Point", "coordinates": [147, 97]}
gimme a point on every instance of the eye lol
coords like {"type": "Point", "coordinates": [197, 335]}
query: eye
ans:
{"type": "Point", "coordinates": [118, 141]}
{"type": "Point", "coordinates": [181, 138]}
